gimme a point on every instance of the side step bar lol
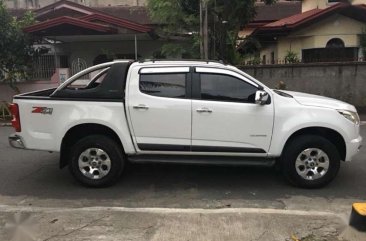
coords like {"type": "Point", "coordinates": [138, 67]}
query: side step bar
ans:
{"type": "Point", "coordinates": [204, 160]}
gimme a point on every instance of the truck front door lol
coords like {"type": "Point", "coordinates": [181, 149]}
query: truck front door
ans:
{"type": "Point", "coordinates": [225, 118]}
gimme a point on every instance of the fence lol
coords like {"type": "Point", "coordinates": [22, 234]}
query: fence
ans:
{"type": "Point", "coordinates": [301, 61]}
{"type": "Point", "coordinates": [345, 80]}
{"type": "Point", "coordinates": [43, 67]}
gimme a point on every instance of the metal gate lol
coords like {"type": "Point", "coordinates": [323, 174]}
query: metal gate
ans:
{"type": "Point", "coordinates": [78, 65]}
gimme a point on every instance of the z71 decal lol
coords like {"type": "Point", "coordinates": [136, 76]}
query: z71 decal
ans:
{"type": "Point", "coordinates": [42, 110]}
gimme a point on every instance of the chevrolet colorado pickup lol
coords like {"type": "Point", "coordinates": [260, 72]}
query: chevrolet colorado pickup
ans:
{"type": "Point", "coordinates": [184, 112]}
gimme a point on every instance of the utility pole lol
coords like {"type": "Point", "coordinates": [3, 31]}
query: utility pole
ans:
{"type": "Point", "coordinates": [201, 31]}
{"type": "Point", "coordinates": [204, 29]}
{"type": "Point", "coordinates": [205, 32]}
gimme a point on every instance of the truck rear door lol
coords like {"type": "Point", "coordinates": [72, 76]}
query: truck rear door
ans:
{"type": "Point", "coordinates": [159, 108]}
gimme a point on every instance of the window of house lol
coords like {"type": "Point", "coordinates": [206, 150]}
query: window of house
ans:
{"type": "Point", "coordinates": [335, 43]}
{"type": "Point", "coordinates": [264, 59]}
{"type": "Point", "coordinates": [272, 58]}
{"type": "Point", "coordinates": [164, 85]}
{"type": "Point", "coordinates": [226, 88]}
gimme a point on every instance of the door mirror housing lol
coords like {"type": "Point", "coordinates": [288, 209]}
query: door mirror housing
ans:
{"type": "Point", "coordinates": [261, 97]}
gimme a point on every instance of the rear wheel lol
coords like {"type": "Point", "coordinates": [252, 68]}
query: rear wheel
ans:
{"type": "Point", "coordinates": [96, 161]}
{"type": "Point", "coordinates": [310, 161]}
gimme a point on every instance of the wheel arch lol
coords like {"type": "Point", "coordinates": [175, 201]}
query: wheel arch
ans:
{"type": "Point", "coordinates": [330, 134]}
{"type": "Point", "coordinates": [79, 131]}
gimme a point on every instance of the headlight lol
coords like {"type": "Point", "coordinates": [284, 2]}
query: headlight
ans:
{"type": "Point", "coordinates": [350, 115]}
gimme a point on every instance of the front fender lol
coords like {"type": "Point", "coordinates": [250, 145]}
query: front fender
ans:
{"type": "Point", "coordinates": [292, 120]}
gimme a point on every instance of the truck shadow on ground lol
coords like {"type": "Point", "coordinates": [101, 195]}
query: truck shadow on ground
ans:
{"type": "Point", "coordinates": [174, 185]}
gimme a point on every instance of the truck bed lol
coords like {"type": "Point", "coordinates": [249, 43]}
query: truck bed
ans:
{"type": "Point", "coordinates": [39, 93]}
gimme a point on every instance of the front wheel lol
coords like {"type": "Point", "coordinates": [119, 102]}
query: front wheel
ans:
{"type": "Point", "coordinates": [96, 161]}
{"type": "Point", "coordinates": [310, 161]}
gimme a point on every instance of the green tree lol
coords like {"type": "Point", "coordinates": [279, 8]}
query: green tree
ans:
{"type": "Point", "coordinates": [226, 18]}
{"type": "Point", "coordinates": [179, 18]}
{"type": "Point", "coordinates": [16, 49]}
{"type": "Point", "coordinates": [363, 42]}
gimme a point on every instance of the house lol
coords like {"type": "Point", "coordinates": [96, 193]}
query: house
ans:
{"type": "Point", "coordinates": [266, 14]}
{"type": "Point", "coordinates": [34, 4]}
{"type": "Point", "coordinates": [324, 31]}
{"type": "Point", "coordinates": [78, 36]}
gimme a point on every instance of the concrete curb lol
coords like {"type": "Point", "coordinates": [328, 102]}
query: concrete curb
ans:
{"type": "Point", "coordinates": [15, 208]}
{"type": "Point", "coordinates": [5, 124]}
{"type": "Point", "coordinates": [173, 223]}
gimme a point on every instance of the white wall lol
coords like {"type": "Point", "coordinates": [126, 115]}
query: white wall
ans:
{"type": "Point", "coordinates": [321, 4]}
{"type": "Point", "coordinates": [317, 35]}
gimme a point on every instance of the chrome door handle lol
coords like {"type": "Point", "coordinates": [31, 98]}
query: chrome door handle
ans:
{"type": "Point", "coordinates": [141, 107]}
{"type": "Point", "coordinates": [204, 110]}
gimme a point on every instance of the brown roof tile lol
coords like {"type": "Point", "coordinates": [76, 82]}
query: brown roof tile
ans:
{"type": "Point", "coordinates": [286, 25]}
{"type": "Point", "coordinates": [294, 19]}
{"type": "Point", "coordinates": [277, 11]}
{"type": "Point", "coordinates": [306, 16]}
{"type": "Point", "coordinates": [135, 14]}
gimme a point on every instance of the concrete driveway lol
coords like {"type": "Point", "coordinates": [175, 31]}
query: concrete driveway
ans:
{"type": "Point", "coordinates": [172, 202]}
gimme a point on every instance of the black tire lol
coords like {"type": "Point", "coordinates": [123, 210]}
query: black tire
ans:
{"type": "Point", "coordinates": [299, 144]}
{"type": "Point", "coordinates": [114, 155]}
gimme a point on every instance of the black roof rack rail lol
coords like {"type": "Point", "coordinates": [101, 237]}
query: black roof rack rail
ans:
{"type": "Point", "coordinates": [197, 60]}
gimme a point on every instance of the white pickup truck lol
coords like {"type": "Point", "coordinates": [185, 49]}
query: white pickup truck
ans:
{"type": "Point", "coordinates": [184, 112]}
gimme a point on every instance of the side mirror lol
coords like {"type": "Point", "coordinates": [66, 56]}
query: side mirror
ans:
{"type": "Point", "coordinates": [261, 97]}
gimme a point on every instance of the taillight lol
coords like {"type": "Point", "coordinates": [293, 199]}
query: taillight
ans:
{"type": "Point", "coordinates": [15, 122]}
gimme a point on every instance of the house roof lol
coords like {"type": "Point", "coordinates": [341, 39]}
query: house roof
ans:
{"type": "Point", "coordinates": [265, 13]}
{"type": "Point", "coordinates": [286, 25]}
{"type": "Point", "coordinates": [81, 19]}
{"type": "Point", "coordinates": [136, 14]}
{"type": "Point", "coordinates": [115, 21]}
{"type": "Point", "coordinates": [55, 26]}
{"type": "Point", "coordinates": [63, 4]}
{"type": "Point", "coordinates": [279, 10]}
{"type": "Point", "coordinates": [295, 19]}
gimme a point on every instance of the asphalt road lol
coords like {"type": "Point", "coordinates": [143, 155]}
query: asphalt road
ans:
{"type": "Point", "coordinates": [33, 179]}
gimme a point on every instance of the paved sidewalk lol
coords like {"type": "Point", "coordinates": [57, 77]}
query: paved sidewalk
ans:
{"type": "Point", "coordinates": [103, 223]}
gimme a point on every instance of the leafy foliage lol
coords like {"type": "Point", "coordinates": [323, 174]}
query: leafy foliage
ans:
{"type": "Point", "coordinates": [16, 49]}
{"type": "Point", "coordinates": [178, 17]}
{"type": "Point", "coordinates": [249, 50]}
{"type": "Point", "coordinates": [291, 57]}
{"type": "Point", "coordinates": [226, 18]}
{"type": "Point", "coordinates": [363, 42]}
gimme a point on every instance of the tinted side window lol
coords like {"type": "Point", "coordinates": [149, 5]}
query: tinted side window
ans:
{"type": "Point", "coordinates": [226, 88]}
{"type": "Point", "coordinates": [164, 85]}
